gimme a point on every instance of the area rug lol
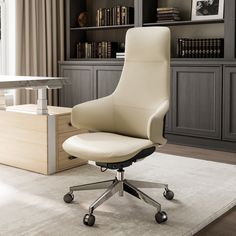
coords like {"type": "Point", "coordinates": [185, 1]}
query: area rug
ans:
{"type": "Point", "coordinates": [32, 204]}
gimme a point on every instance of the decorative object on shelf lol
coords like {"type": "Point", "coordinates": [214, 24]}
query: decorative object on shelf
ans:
{"type": "Point", "coordinates": [200, 48]}
{"type": "Point", "coordinates": [82, 19]}
{"type": "Point", "coordinates": [121, 47]}
{"type": "Point", "coordinates": [167, 14]}
{"type": "Point", "coordinates": [118, 15]}
{"type": "Point", "coordinates": [207, 9]}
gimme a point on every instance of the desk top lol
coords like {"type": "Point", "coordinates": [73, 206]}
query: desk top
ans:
{"type": "Point", "coordinates": [12, 82]}
{"type": "Point", "coordinates": [31, 108]}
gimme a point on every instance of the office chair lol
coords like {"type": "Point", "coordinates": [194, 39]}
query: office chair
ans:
{"type": "Point", "coordinates": [128, 124]}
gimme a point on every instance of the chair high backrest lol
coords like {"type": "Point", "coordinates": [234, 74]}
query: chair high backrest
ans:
{"type": "Point", "coordinates": [145, 80]}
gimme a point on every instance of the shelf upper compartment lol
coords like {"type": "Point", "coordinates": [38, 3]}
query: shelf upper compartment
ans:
{"type": "Point", "coordinates": [102, 27]}
{"type": "Point", "coordinates": [184, 22]}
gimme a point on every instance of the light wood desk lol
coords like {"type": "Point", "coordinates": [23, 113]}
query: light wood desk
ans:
{"type": "Point", "coordinates": [31, 82]}
{"type": "Point", "coordinates": [31, 136]}
{"type": "Point", "coordinates": [34, 142]}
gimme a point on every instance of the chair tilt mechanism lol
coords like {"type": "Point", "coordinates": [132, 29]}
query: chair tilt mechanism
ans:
{"type": "Point", "coordinates": [128, 124]}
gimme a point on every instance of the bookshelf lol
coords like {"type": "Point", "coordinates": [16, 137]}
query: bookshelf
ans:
{"type": "Point", "coordinates": [202, 87]}
{"type": "Point", "coordinates": [187, 28]}
{"type": "Point", "coordinates": [145, 15]}
{"type": "Point", "coordinates": [98, 27]}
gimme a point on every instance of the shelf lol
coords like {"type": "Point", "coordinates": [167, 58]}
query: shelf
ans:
{"type": "Point", "coordinates": [96, 59]}
{"type": "Point", "coordinates": [101, 27]}
{"type": "Point", "coordinates": [184, 22]}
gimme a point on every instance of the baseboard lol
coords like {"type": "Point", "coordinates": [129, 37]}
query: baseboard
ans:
{"type": "Point", "coordinates": [202, 142]}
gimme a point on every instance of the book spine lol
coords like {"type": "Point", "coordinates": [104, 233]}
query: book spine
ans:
{"type": "Point", "coordinates": [105, 17]}
{"type": "Point", "coordinates": [114, 15]}
{"type": "Point", "coordinates": [215, 48]}
{"type": "Point", "coordinates": [118, 15]}
{"type": "Point", "coordinates": [108, 49]}
{"type": "Point", "coordinates": [86, 50]}
{"type": "Point", "coordinates": [98, 18]}
{"type": "Point", "coordinates": [123, 15]}
{"type": "Point", "coordinates": [99, 50]}
{"type": "Point", "coordinates": [219, 48]}
{"type": "Point", "coordinates": [193, 48]}
{"type": "Point", "coordinates": [189, 48]}
{"type": "Point", "coordinates": [78, 50]}
{"type": "Point", "coordinates": [186, 47]}
{"type": "Point", "coordinates": [103, 50]}
{"type": "Point", "coordinates": [207, 48]}
{"type": "Point", "coordinates": [178, 47]}
{"type": "Point", "coordinates": [102, 17]}
{"type": "Point", "coordinates": [211, 48]}
{"type": "Point", "coordinates": [183, 48]}
{"type": "Point", "coordinates": [196, 55]}
{"type": "Point", "coordinates": [111, 17]}
{"type": "Point", "coordinates": [203, 48]}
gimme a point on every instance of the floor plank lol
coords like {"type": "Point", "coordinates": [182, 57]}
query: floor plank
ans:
{"type": "Point", "coordinates": [226, 224]}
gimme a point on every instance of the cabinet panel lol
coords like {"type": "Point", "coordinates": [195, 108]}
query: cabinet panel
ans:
{"type": "Point", "coordinates": [197, 101]}
{"type": "Point", "coordinates": [107, 78]}
{"type": "Point", "coordinates": [229, 104]}
{"type": "Point", "coordinates": [81, 88]}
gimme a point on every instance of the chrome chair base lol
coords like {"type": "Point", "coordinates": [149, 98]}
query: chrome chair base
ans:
{"type": "Point", "coordinates": [120, 185]}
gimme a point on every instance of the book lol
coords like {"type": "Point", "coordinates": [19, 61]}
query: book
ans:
{"type": "Point", "coordinates": [200, 48]}
{"type": "Point", "coordinates": [118, 15]}
{"type": "Point", "coordinates": [173, 18]}
{"type": "Point", "coordinates": [168, 14]}
{"type": "Point", "coordinates": [166, 9]}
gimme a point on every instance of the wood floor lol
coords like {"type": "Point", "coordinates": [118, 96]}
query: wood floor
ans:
{"type": "Point", "coordinates": [226, 224]}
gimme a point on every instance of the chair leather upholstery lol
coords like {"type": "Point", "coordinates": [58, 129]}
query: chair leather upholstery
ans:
{"type": "Point", "coordinates": [131, 118]}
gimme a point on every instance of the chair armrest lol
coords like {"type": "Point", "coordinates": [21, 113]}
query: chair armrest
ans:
{"type": "Point", "coordinates": [96, 115]}
{"type": "Point", "coordinates": [156, 122]}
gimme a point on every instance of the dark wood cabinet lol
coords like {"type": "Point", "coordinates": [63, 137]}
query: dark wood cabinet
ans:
{"type": "Point", "coordinates": [81, 87]}
{"type": "Point", "coordinates": [196, 101]}
{"type": "Point", "coordinates": [229, 103]}
{"type": "Point", "coordinates": [87, 82]}
{"type": "Point", "coordinates": [203, 107]}
{"type": "Point", "coordinates": [107, 78]}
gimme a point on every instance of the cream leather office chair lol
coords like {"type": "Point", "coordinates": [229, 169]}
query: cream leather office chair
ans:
{"type": "Point", "coordinates": [129, 123]}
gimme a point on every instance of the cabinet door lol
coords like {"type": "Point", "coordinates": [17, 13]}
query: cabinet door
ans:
{"type": "Point", "coordinates": [196, 101]}
{"type": "Point", "coordinates": [107, 78]}
{"type": "Point", "coordinates": [81, 87]}
{"type": "Point", "coordinates": [229, 104]}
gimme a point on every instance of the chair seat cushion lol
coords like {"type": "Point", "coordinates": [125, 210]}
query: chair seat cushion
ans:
{"type": "Point", "coordinates": [105, 147]}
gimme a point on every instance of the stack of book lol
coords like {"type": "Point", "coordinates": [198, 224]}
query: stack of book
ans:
{"type": "Point", "coordinates": [118, 15]}
{"type": "Point", "coordinates": [120, 55]}
{"type": "Point", "coordinates": [200, 48]}
{"type": "Point", "coordinates": [167, 14]}
{"type": "Point", "coordinates": [96, 49]}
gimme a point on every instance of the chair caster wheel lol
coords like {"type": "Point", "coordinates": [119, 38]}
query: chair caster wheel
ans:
{"type": "Point", "coordinates": [161, 217]}
{"type": "Point", "coordinates": [68, 198]}
{"type": "Point", "coordinates": [168, 194]}
{"type": "Point", "coordinates": [89, 219]}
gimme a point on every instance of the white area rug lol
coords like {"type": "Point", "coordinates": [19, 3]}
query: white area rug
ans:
{"type": "Point", "coordinates": [31, 204]}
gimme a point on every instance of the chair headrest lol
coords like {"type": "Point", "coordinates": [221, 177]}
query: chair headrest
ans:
{"type": "Point", "coordinates": [148, 44]}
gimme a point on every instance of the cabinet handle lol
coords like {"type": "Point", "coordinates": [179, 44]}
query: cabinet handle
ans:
{"type": "Point", "coordinates": [69, 124]}
{"type": "Point", "coordinates": [72, 158]}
